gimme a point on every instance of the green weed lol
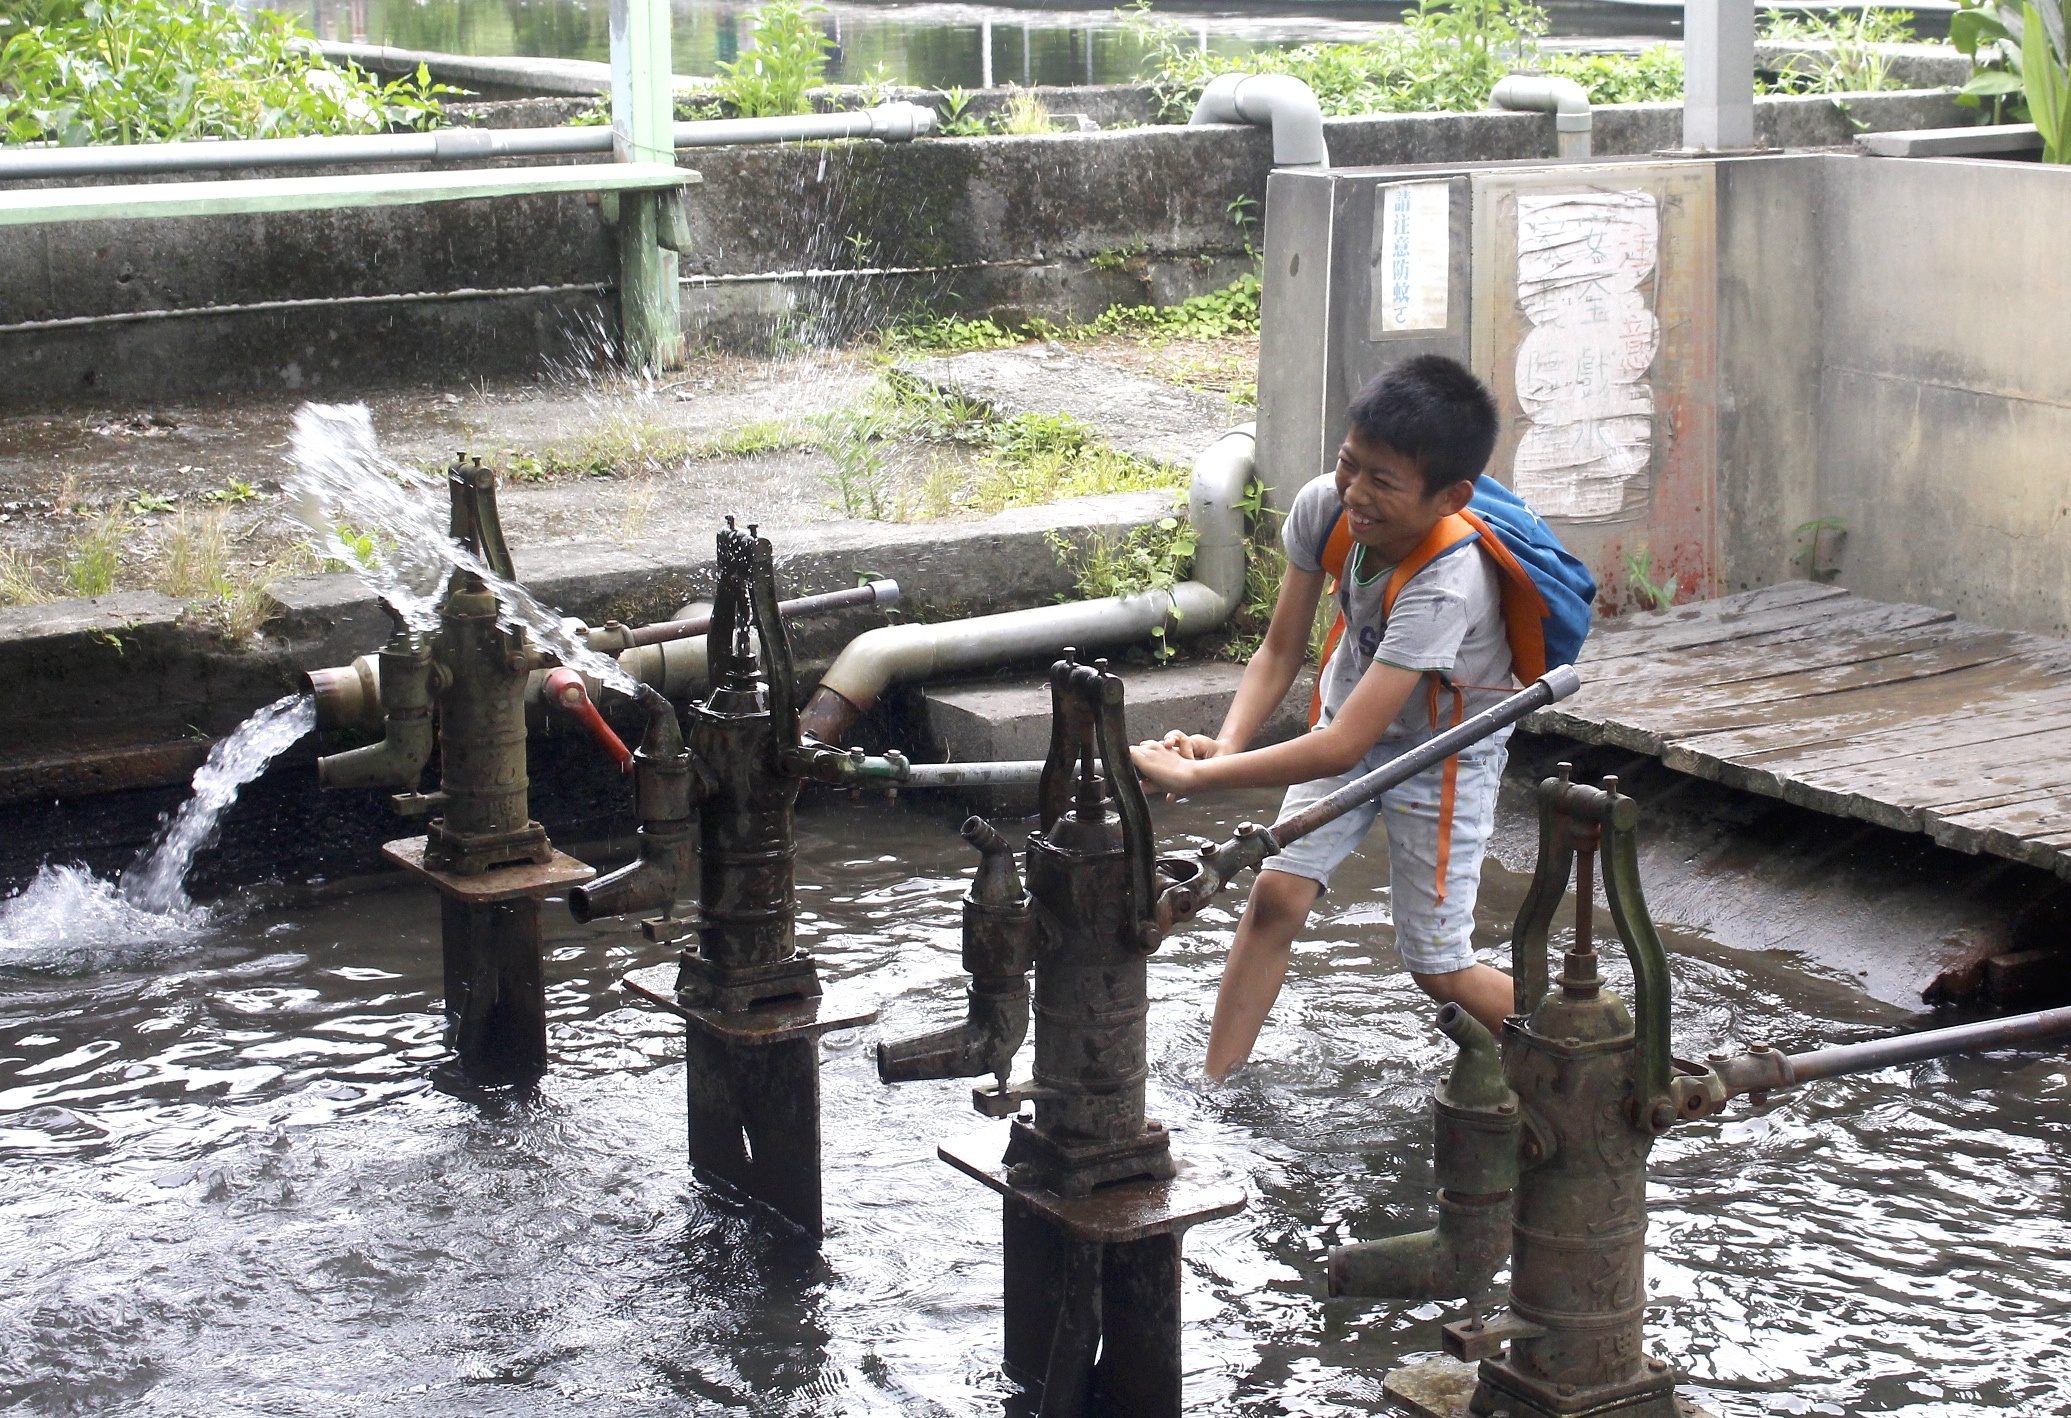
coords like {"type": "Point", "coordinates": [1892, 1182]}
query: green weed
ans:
{"type": "Point", "coordinates": [1120, 258]}
{"type": "Point", "coordinates": [947, 334]}
{"type": "Point", "coordinates": [957, 120]}
{"type": "Point", "coordinates": [1639, 570]}
{"type": "Point", "coordinates": [20, 584]}
{"type": "Point", "coordinates": [232, 494]}
{"type": "Point", "coordinates": [196, 560]}
{"type": "Point", "coordinates": [1025, 115]}
{"type": "Point", "coordinates": [142, 71]}
{"type": "Point", "coordinates": [1851, 62]}
{"type": "Point", "coordinates": [789, 58]}
{"type": "Point", "coordinates": [141, 503]}
{"type": "Point", "coordinates": [95, 557]}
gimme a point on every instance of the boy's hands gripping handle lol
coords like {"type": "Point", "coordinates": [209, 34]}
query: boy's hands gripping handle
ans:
{"type": "Point", "coordinates": [1188, 883]}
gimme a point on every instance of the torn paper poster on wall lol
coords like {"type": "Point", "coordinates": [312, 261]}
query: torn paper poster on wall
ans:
{"type": "Point", "coordinates": [1585, 263]}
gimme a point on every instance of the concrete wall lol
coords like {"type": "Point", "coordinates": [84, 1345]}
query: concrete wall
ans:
{"type": "Point", "coordinates": [113, 312]}
{"type": "Point", "coordinates": [1945, 385]}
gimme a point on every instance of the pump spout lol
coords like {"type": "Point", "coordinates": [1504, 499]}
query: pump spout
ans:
{"type": "Point", "coordinates": [1476, 1164]}
{"type": "Point", "coordinates": [999, 951]}
{"type": "Point", "coordinates": [661, 788]}
{"type": "Point", "coordinates": [405, 696]}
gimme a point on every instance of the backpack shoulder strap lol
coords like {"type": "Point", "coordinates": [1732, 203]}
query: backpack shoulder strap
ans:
{"type": "Point", "coordinates": [1524, 605]}
{"type": "Point", "coordinates": [1447, 534]}
{"type": "Point", "coordinates": [1335, 548]}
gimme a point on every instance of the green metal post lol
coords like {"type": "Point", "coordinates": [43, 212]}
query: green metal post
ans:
{"type": "Point", "coordinates": [643, 130]}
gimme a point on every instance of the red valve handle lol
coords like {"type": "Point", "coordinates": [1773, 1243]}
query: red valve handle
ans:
{"type": "Point", "coordinates": [565, 688]}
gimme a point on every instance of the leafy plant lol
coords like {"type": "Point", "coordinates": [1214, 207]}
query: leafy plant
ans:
{"type": "Point", "coordinates": [1849, 60]}
{"type": "Point", "coordinates": [1233, 310]}
{"type": "Point", "coordinates": [861, 483]}
{"type": "Point", "coordinates": [788, 58]}
{"type": "Point", "coordinates": [1447, 54]}
{"type": "Point", "coordinates": [1151, 558]}
{"type": "Point", "coordinates": [146, 502]}
{"type": "Point", "coordinates": [1639, 571]}
{"type": "Point", "coordinates": [2044, 77]}
{"type": "Point", "coordinates": [2019, 64]}
{"type": "Point", "coordinates": [957, 120]}
{"type": "Point", "coordinates": [1120, 258]}
{"type": "Point", "coordinates": [364, 547]}
{"type": "Point", "coordinates": [1654, 75]}
{"type": "Point", "coordinates": [139, 71]}
{"type": "Point", "coordinates": [231, 494]}
{"type": "Point", "coordinates": [948, 334]}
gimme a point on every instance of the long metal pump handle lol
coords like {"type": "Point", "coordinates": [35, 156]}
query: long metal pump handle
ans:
{"type": "Point", "coordinates": [1195, 880]}
{"type": "Point", "coordinates": [893, 771]}
{"type": "Point", "coordinates": [1763, 1070]}
{"type": "Point", "coordinates": [615, 637]}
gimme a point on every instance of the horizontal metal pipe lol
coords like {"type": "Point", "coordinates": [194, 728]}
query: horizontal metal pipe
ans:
{"type": "Point", "coordinates": [904, 654]}
{"type": "Point", "coordinates": [1557, 684]}
{"type": "Point", "coordinates": [874, 593]}
{"type": "Point", "coordinates": [891, 123]}
{"type": "Point", "coordinates": [2043, 1027]}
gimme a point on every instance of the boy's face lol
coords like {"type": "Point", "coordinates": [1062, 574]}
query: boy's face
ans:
{"type": "Point", "coordinates": [1386, 507]}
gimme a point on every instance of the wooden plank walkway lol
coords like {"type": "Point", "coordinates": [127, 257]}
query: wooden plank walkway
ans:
{"type": "Point", "coordinates": [1900, 715]}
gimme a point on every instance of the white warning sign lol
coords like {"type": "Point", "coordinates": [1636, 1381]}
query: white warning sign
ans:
{"type": "Point", "coordinates": [1413, 264]}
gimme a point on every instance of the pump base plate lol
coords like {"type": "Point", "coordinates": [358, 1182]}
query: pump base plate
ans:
{"type": "Point", "coordinates": [1443, 1388]}
{"type": "Point", "coordinates": [774, 1023]}
{"type": "Point", "coordinates": [1112, 1215]}
{"type": "Point", "coordinates": [496, 884]}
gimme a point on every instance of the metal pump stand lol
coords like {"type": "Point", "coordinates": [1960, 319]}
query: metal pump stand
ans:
{"type": "Point", "coordinates": [752, 999]}
{"type": "Point", "coordinates": [490, 862]}
{"type": "Point", "coordinates": [1094, 1203]}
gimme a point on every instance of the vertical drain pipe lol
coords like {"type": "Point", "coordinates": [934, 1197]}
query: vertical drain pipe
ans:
{"type": "Point", "coordinates": [1277, 101]}
{"type": "Point", "coordinates": [1563, 98]}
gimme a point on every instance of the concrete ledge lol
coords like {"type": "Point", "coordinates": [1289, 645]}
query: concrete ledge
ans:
{"type": "Point", "coordinates": [1992, 140]}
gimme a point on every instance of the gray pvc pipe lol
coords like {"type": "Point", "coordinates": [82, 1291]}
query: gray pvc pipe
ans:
{"type": "Point", "coordinates": [1563, 98]}
{"type": "Point", "coordinates": [1278, 101]}
{"type": "Point", "coordinates": [891, 123]}
{"type": "Point", "coordinates": [899, 654]}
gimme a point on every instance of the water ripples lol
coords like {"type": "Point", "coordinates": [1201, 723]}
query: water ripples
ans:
{"type": "Point", "coordinates": [229, 1185]}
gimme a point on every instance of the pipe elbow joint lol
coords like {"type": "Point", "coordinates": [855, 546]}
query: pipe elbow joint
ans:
{"type": "Point", "coordinates": [1452, 1261]}
{"type": "Point", "coordinates": [395, 762]}
{"type": "Point", "coordinates": [648, 884]}
{"type": "Point", "coordinates": [1565, 99]}
{"type": "Point", "coordinates": [1277, 101]}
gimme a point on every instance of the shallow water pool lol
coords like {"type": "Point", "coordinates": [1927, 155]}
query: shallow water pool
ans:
{"type": "Point", "coordinates": [227, 1185]}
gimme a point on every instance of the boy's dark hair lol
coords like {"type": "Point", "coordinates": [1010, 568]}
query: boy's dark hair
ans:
{"type": "Point", "coordinates": [1436, 411]}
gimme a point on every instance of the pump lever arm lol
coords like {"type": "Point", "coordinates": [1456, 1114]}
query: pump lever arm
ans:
{"type": "Point", "coordinates": [1191, 884]}
{"type": "Point", "coordinates": [1763, 1070]}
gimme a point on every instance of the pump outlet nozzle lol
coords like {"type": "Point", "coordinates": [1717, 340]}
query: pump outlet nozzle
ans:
{"type": "Point", "coordinates": [661, 790]}
{"type": "Point", "coordinates": [999, 951]}
{"type": "Point", "coordinates": [1475, 1159]}
{"type": "Point", "coordinates": [405, 693]}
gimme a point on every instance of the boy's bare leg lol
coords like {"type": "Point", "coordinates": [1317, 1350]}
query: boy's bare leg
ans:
{"type": "Point", "coordinates": [1275, 914]}
{"type": "Point", "coordinates": [1481, 990]}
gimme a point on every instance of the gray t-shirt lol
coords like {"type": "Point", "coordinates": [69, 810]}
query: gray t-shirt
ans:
{"type": "Point", "coordinates": [1448, 619]}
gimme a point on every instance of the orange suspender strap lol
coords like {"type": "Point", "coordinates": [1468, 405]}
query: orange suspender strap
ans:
{"type": "Point", "coordinates": [1337, 550]}
{"type": "Point", "coordinates": [1449, 533]}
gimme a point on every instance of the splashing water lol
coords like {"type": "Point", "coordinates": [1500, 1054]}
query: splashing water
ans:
{"type": "Point", "coordinates": [69, 919]}
{"type": "Point", "coordinates": [343, 484]}
{"type": "Point", "coordinates": [157, 883]}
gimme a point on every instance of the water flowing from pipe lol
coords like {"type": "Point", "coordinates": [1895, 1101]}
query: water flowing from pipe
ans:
{"type": "Point", "coordinates": [69, 919]}
{"type": "Point", "coordinates": [388, 524]}
{"type": "Point", "coordinates": [158, 881]}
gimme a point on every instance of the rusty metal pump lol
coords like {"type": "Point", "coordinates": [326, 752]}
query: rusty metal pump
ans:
{"type": "Point", "coordinates": [489, 860]}
{"type": "Point", "coordinates": [1093, 1201]}
{"type": "Point", "coordinates": [752, 999]}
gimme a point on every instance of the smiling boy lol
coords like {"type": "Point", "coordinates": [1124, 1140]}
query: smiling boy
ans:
{"type": "Point", "coordinates": [1419, 437]}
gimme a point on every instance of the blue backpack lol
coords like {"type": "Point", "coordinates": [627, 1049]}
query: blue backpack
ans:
{"type": "Point", "coordinates": [1547, 592]}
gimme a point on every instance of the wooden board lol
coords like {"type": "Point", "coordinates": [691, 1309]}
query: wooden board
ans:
{"type": "Point", "coordinates": [1900, 715]}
